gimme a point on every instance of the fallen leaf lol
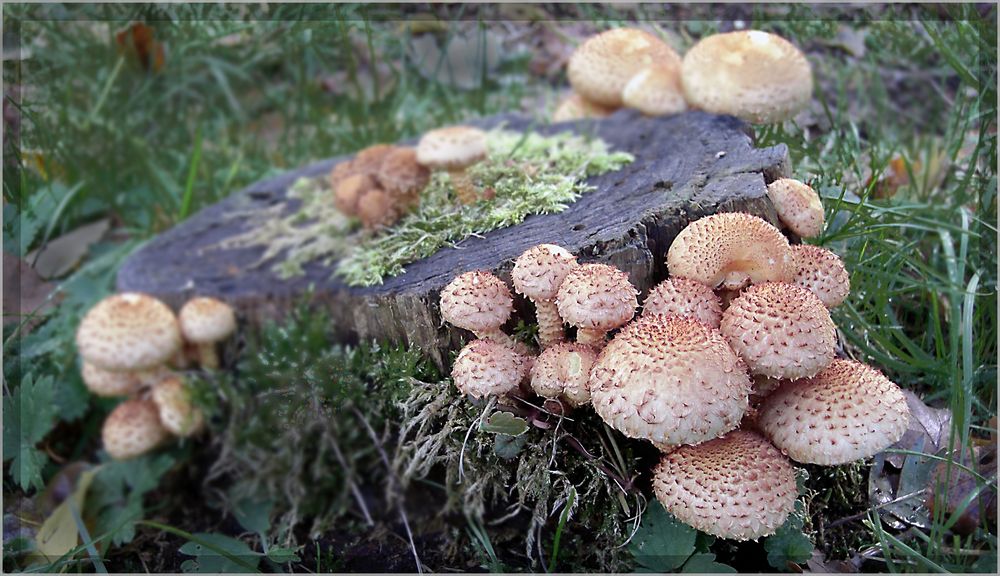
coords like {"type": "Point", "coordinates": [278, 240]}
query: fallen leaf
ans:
{"type": "Point", "coordinates": [138, 43]}
{"type": "Point", "coordinates": [953, 487]}
{"type": "Point", "coordinates": [59, 256]}
{"type": "Point", "coordinates": [26, 293]}
{"type": "Point", "coordinates": [59, 533]}
{"type": "Point", "coordinates": [929, 428]}
{"type": "Point", "coordinates": [461, 63]}
{"type": "Point", "coordinates": [818, 564]}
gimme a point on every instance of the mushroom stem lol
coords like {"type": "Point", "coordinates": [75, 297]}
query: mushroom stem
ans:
{"type": "Point", "coordinates": [550, 324]}
{"type": "Point", "coordinates": [207, 356]}
{"type": "Point", "coordinates": [591, 337]}
{"type": "Point", "coordinates": [464, 188]}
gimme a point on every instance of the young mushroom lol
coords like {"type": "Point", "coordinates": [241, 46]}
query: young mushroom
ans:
{"type": "Point", "coordinates": [348, 192]}
{"type": "Point", "coordinates": [454, 149]}
{"type": "Point", "coordinates": [109, 384]}
{"type": "Point", "coordinates": [798, 206]}
{"type": "Point", "coordinates": [656, 90]}
{"type": "Point", "coordinates": [479, 302]}
{"type": "Point", "coordinates": [403, 178]}
{"type": "Point", "coordinates": [537, 274]}
{"type": "Point", "coordinates": [822, 272]}
{"type": "Point", "coordinates": [376, 209]}
{"type": "Point", "coordinates": [576, 107]}
{"type": "Point", "coordinates": [488, 368]}
{"type": "Point", "coordinates": [686, 298]}
{"type": "Point", "coordinates": [562, 371]}
{"type": "Point", "coordinates": [205, 322]}
{"type": "Point", "coordinates": [173, 402]}
{"type": "Point", "coordinates": [738, 486]}
{"type": "Point", "coordinates": [132, 429]}
{"type": "Point", "coordinates": [596, 298]}
{"type": "Point", "coordinates": [846, 412]}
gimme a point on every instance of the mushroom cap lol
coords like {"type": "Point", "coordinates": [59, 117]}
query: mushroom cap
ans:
{"type": "Point", "coordinates": [730, 249]}
{"type": "Point", "coordinates": [656, 90]}
{"type": "Point", "coordinates": [401, 175]}
{"type": "Point", "coordinates": [576, 107]}
{"type": "Point", "coordinates": [206, 320]}
{"type": "Point", "coordinates": [376, 209]}
{"type": "Point", "coordinates": [369, 160]}
{"type": "Point", "coordinates": [822, 272]}
{"type": "Point", "coordinates": [128, 332]}
{"type": "Point", "coordinates": [348, 192]}
{"type": "Point", "coordinates": [846, 412]}
{"type": "Point", "coordinates": [109, 384]}
{"type": "Point", "coordinates": [600, 68]}
{"type": "Point", "coordinates": [132, 429]}
{"type": "Point", "coordinates": [476, 301]}
{"type": "Point", "coordinates": [596, 296]}
{"type": "Point", "coordinates": [563, 370]}
{"type": "Point", "coordinates": [340, 171]}
{"type": "Point", "coordinates": [452, 147]}
{"type": "Point", "coordinates": [687, 298]}
{"type": "Point", "coordinates": [669, 380]}
{"type": "Point", "coordinates": [780, 330]}
{"type": "Point", "coordinates": [738, 486]}
{"type": "Point", "coordinates": [486, 367]}
{"type": "Point", "coordinates": [173, 403]}
{"type": "Point", "coordinates": [751, 74]}
{"type": "Point", "coordinates": [540, 270]}
{"type": "Point", "coordinates": [798, 206]}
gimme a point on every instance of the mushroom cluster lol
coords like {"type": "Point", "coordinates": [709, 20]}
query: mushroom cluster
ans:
{"type": "Point", "coordinates": [754, 75]}
{"type": "Point", "coordinates": [731, 394]}
{"type": "Point", "coordinates": [128, 344]}
{"type": "Point", "coordinates": [379, 185]}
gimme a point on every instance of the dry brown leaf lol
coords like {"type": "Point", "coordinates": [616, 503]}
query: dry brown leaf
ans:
{"type": "Point", "coordinates": [59, 256]}
{"type": "Point", "coordinates": [25, 292]}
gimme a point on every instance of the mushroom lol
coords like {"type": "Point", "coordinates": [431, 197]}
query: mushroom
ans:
{"type": "Point", "coordinates": [348, 192]}
{"type": "Point", "coordinates": [376, 209]}
{"type": "Point", "coordinates": [730, 250]}
{"type": "Point", "coordinates": [402, 177]}
{"type": "Point", "coordinates": [656, 90]}
{"type": "Point", "coordinates": [798, 206]}
{"type": "Point", "coordinates": [176, 412]}
{"type": "Point", "coordinates": [109, 384]}
{"type": "Point", "coordinates": [479, 302]}
{"type": "Point", "coordinates": [205, 322]}
{"type": "Point", "coordinates": [488, 368]}
{"type": "Point", "coordinates": [600, 68]}
{"type": "Point", "coordinates": [368, 160]}
{"type": "Point", "coordinates": [822, 272]}
{"type": "Point", "coordinates": [132, 429]}
{"type": "Point", "coordinates": [738, 486]}
{"type": "Point", "coordinates": [537, 274]}
{"type": "Point", "coordinates": [454, 149]}
{"type": "Point", "coordinates": [754, 75]}
{"type": "Point", "coordinates": [596, 298]}
{"type": "Point", "coordinates": [340, 172]}
{"type": "Point", "coordinates": [576, 107]}
{"type": "Point", "coordinates": [563, 371]}
{"type": "Point", "coordinates": [846, 412]}
{"type": "Point", "coordinates": [686, 298]}
{"type": "Point", "coordinates": [669, 380]}
{"type": "Point", "coordinates": [129, 332]}
{"type": "Point", "coordinates": [780, 330]}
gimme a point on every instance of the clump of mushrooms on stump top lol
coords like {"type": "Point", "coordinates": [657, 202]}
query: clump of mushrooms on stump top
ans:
{"type": "Point", "coordinates": [727, 388]}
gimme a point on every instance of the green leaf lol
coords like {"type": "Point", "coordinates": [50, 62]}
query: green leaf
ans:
{"type": "Point", "coordinates": [283, 555]}
{"type": "Point", "coordinates": [505, 423]}
{"type": "Point", "coordinates": [29, 415]}
{"type": "Point", "coordinates": [254, 514]}
{"type": "Point", "coordinates": [706, 564]}
{"type": "Point", "coordinates": [118, 491]}
{"type": "Point", "coordinates": [218, 553]}
{"type": "Point", "coordinates": [507, 446]}
{"type": "Point", "coordinates": [662, 543]}
{"type": "Point", "coordinates": [789, 543]}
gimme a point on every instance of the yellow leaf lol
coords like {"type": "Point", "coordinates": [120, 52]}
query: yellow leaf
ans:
{"type": "Point", "coordinates": [58, 534]}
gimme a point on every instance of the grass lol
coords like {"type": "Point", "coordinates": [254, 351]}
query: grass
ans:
{"type": "Point", "coordinates": [901, 143]}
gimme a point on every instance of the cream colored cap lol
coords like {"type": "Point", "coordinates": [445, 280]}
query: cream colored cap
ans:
{"type": "Point", "coordinates": [128, 332]}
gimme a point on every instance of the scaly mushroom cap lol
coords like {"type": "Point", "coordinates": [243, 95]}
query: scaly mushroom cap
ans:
{"type": "Point", "coordinates": [781, 330]}
{"type": "Point", "coordinates": [596, 296]}
{"type": "Point", "coordinates": [368, 160]}
{"type": "Point", "coordinates": [669, 380]}
{"type": "Point", "coordinates": [576, 107]}
{"type": "Point", "coordinates": [476, 301]}
{"type": "Point", "coordinates": [347, 194]}
{"type": "Point", "coordinates": [376, 209]}
{"type": "Point", "coordinates": [821, 272]}
{"type": "Point", "coordinates": [563, 370]}
{"type": "Point", "coordinates": [173, 402]}
{"type": "Point", "coordinates": [686, 298]}
{"type": "Point", "coordinates": [109, 384]}
{"type": "Point", "coordinates": [656, 90]}
{"type": "Point", "coordinates": [206, 320]}
{"type": "Point", "coordinates": [846, 412]}
{"type": "Point", "coordinates": [128, 332]}
{"type": "Point", "coordinates": [730, 249]}
{"type": "Point", "coordinates": [738, 486]}
{"type": "Point", "coordinates": [798, 206]}
{"type": "Point", "coordinates": [540, 270]}
{"type": "Point", "coordinates": [452, 147]}
{"type": "Point", "coordinates": [402, 176]}
{"type": "Point", "coordinates": [133, 429]}
{"type": "Point", "coordinates": [751, 74]}
{"type": "Point", "coordinates": [485, 368]}
{"type": "Point", "coordinates": [600, 68]}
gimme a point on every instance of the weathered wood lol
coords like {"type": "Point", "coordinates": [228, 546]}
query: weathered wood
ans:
{"type": "Point", "coordinates": [685, 167]}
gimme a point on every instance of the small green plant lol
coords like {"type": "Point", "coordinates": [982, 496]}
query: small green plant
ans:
{"type": "Point", "coordinates": [664, 544]}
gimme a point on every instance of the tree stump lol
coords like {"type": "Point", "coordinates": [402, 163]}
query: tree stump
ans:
{"type": "Point", "coordinates": [686, 166]}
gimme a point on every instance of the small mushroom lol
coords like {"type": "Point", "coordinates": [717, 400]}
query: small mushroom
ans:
{"type": "Point", "coordinates": [822, 272]}
{"type": "Point", "coordinates": [753, 75]}
{"type": "Point", "coordinates": [173, 403]}
{"type": "Point", "coordinates": [376, 209]}
{"type": "Point", "coordinates": [454, 149]}
{"type": "Point", "coordinates": [537, 274]}
{"type": "Point", "coordinates": [798, 206]}
{"type": "Point", "coordinates": [781, 330]}
{"type": "Point", "coordinates": [205, 322]}
{"type": "Point", "coordinates": [479, 302]}
{"type": "Point", "coordinates": [563, 371]}
{"type": "Point", "coordinates": [348, 193]}
{"type": "Point", "coordinates": [403, 178]}
{"type": "Point", "coordinates": [576, 107]}
{"type": "Point", "coordinates": [738, 486]}
{"type": "Point", "coordinates": [656, 90]}
{"type": "Point", "coordinates": [132, 429]}
{"type": "Point", "coordinates": [671, 381]}
{"type": "Point", "coordinates": [109, 384]}
{"type": "Point", "coordinates": [685, 298]}
{"type": "Point", "coordinates": [846, 412]}
{"type": "Point", "coordinates": [600, 68]}
{"type": "Point", "coordinates": [488, 368]}
{"type": "Point", "coordinates": [596, 298]}
{"type": "Point", "coordinates": [369, 160]}
{"type": "Point", "coordinates": [730, 250]}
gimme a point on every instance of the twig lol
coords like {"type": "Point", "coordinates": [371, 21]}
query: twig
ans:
{"type": "Point", "coordinates": [854, 517]}
{"type": "Point", "coordinates": [350, 481]}
{"type": "Point", "coordinates": [475, 423]}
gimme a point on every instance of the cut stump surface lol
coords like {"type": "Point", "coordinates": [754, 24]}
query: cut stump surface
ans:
{"type": "Point", "coordinates": [686, 166]}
